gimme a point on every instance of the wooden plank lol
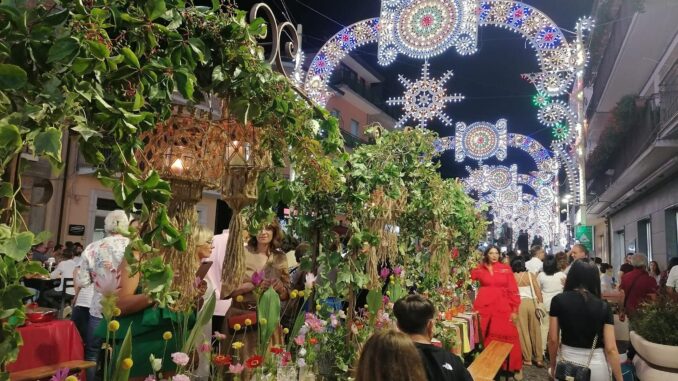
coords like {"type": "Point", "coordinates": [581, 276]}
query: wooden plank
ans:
{"type": "Point", "coordinates": [48, 371]}
{"type": "Point", "coordinates": [486, 366]}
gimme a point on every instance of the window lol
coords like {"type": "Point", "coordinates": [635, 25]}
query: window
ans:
{"type": "Point", "coordinates": [645, 238]}
{"type": "Point", "coordinates": [355, 128]}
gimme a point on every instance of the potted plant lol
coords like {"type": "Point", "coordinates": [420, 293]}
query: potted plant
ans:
{"type": "Point", "coordinates": [654, 335]}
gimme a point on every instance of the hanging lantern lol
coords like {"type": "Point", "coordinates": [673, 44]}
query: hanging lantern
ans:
{"type": "Point", "coordinates": [244, 159]}
{"type": "Point", "coordinates": [183, 150]}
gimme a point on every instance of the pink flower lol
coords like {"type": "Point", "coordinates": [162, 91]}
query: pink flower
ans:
{"type": "Point", "coordinates": [180, 358]}
{"type": "Point", "coordinates": [257, 278]}
{"type": "Point", "coordinates": [385, 272]}
{"type": "Point", "coordinates": [310, 281]}
{"type": "Point", "coordinates": [397, 270]}
{"type": "Point", "coordinates": [315, 324]}
{"type": "Point", "coordinates": [334, 322]}
{"type": "Point", "coordinates": [286, 358]}
{"type": "Point", "coordinates": [107, 283]}
{"type": "Point", "coordinates": [299, 340]}
{"type": "Point", "coordinates": [60, 375]}
{"type": "Point", "coordinates": [181, 377]}
{"type": "Point", "coordinates": [205, 348]}
{"type": "Point", "coordinates": [236, 368]}
{"type": "Point", "coordinates": [219, 336]}
{"type": "Point", "coordinates": [385, 299]}
{"type": "Point", "coordinates": [150, 378]}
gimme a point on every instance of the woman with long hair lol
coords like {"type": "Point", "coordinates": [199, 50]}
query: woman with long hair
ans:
{"type": "Point", "coordinates": [390, 356]}
{"type": "Point", "coordinates": [498, 302]}
{"type": "Point", "coordinates": [529, 326]}
{"type": "Point", "coordinates": [585, 322]}
{"type": "Point", "coordinates": [265, 258]}
{"type": "Point", "coordinates": [655, 271]}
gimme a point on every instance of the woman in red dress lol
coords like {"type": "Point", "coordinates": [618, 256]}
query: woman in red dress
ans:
{"type": "Point", "coordinates": [498, 302]}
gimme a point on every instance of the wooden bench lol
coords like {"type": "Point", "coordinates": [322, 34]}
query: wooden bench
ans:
{"type": "Point", "coordinates": [48, 371]}
{"type": "Point", "coordinates": [486, 366]}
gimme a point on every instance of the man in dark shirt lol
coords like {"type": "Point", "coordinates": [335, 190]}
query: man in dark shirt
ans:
{"type": "Point", "coordinates": [414, 314]}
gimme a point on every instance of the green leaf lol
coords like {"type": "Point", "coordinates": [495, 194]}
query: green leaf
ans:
{"type": "Point", "coordinates": [48, 143]}
{"type": "Point", "coordinates": [86, 132]}
{"type": "Point", "coordinates": [184, 82]}
{"type": "Point", "coordinates": [374, 302]}
{"type": "Point", "coordinates": [130, 57]}
{"type": "Point", "coordinates": [10, 141]}
{"type": "Point", "coordinates": [198, 46]}
{"type": "Point", "coordinates": [6, 190]}
{"type": "Point", "coordinates": [204, 317]}
{"type": "Point", "coordinates": [154, 9]}
{"type": "Point", "coordinates": [81, 64]}
{"type": "Point", "coordinates": [63, 49]}
{"type": "Point", "coordinates": [12, 77]}
{"type": "Point", "coordinates": [57, 18]}
{"type": "Point", "coordinates": [120, 374]}
{"type": "Point", "coordinates": [17, 246]}
{"type": "Point", "coordinates": [268, 308]}
{"type": "Point", "coordinates": [11, 296]}
{"type": "Point", "coordinates": [43, 236]}
{"type": "Point", "coordinates": [98, 49]}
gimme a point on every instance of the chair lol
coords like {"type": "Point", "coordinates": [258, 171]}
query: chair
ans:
{"type": "Point", "coordinates": [65, 298]}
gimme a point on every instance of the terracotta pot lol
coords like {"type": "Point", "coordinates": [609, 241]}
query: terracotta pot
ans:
{"type": "Point", "coordinates": [654, 361]}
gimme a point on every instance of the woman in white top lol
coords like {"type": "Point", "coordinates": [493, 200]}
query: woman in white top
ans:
{"type": "Point", "coordinates": [551, 281]}
{"type": "Point", "coordinates": [529, 327]}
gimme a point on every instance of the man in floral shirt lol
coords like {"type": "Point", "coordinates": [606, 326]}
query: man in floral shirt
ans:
{"type": "Point", "coordinates": [99, 260]}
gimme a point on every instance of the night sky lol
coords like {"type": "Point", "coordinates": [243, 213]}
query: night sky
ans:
{"type": "Point", "coordinates": [490, 79]}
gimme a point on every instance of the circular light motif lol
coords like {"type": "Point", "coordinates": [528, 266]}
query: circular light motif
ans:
{"type": "Point", "coordinates": [427, 27]}
{"type": "Point", "coordinates": [560, 132]}
{"type": "Point", "coordinates": [500, 178]}
{"type": "Point", "coordinates": [481, 141]}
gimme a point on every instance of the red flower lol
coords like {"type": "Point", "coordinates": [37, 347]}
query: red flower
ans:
{"type": "Point", "coordinates": [276, 350]}
{"type": "Point", "coordinates": [222, 360]}
{"type": "Point", "coordinates": [313, 341]}
{"type": "Point", "coordinates": [253, 361]}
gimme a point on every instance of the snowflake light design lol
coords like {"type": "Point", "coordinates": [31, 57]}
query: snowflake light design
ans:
{"type": "Point", "coordinates": [425, 98]}
{"type": "Point", "coordinates": [560, 131]}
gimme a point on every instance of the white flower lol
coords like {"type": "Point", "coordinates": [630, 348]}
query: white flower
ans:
{"type": "Point", "coordinates": [301, 362]}
{"type": "Point", "coordinates": [156, 364]}
{"type": "Point", "coordinates": [313, 125]}
{"type": "Point", "coordinates": [341, 314]}
{"type": "Point", "coordinates": [302, 352]}
{"type": "Point", "coordinates": [310, 280]}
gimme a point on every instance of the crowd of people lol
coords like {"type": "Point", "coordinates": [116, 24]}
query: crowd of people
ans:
{"type": "Point", "coordinates": [550, 307]}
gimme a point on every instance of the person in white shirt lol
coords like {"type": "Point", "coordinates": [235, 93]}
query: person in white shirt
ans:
{"type": "Point", "coordinates": [606, 282]}
{"type": "Point", "coordinates": [82, 300]}
{"type": "Point", "coordinates": [63, 270]}
{"type": "Point", "coordinates": [551, 281]}
{"type": "Point", "coordinates": [672, 279]}
{"type": "Point", "coordinates": [535, 264]}
{"type": "Point", "coordinates": [99, 259]}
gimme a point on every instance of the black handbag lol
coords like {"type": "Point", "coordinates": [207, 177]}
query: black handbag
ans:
{"type": "Point", "coordinates": [570, 371]}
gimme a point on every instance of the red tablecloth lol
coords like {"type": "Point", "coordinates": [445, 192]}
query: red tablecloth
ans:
{"type": "Point", "coordinates": [48, 344]}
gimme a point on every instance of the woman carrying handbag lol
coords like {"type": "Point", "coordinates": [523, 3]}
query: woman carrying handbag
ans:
{"type": "Point", "coordinates": [588, 351]}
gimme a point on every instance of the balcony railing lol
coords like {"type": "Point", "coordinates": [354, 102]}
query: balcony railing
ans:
{"type": "Point", "coordinates": [668, 95]}
{"type": "Point", "coordinates": [352, 141]}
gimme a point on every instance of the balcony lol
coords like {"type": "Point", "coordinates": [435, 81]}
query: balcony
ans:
{"type": "Point", "coordinates": [351, 141]}
{"type": "Point", "coordinates": [373, 95]}
{"type": "Point", "coordinates": [668, 95]}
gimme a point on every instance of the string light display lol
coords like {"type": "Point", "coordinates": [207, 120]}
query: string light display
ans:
{"type": "Point", "coordinates": [480, 141]}
{"type": "Point", "coordinates": [424, 99]}
{"type": "Point", "coordinates": [425, 28]}
{"type": "Point", "coordinates": [541, 100]}
{"type": "Point", "coordinates": [560, 132]}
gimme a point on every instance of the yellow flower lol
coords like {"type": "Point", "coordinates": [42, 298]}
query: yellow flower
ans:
{"type": "Point", "coordinates": [237, 345]}
{"type": "Point", "coordinates": [248, 322]}
{"type": "Point", "coordinates": [286, 330]}
{"type": "Point", "coordinates": [392, 278]}
{"type": "Point", "coordinates": [71, 378]}
{"type": "Point", "coordinates": [301, 293]}
{"type": "Point", "coordinates": [237, 327]}
{"type": "Point", "coordinates": [113, 326]}
{"type": "Point", "coordinates": [127, 363]}
{"type": "Point", "coordinates": [167, 336]}
{"type": "Point", "coordinates": [263, 321]}
{"type": "Point", "coordinates": [388, 293]}
{"type": "Point", "coordinates": [116, 311]}
{"type": "Point", "coordinates": [239, 298]}
{"type": "Point", "coordinates": [294, 294]}
{"type": "Point", "coordinates": [366, 306]}
{"type": "Point", "coordinates": [318, 307]}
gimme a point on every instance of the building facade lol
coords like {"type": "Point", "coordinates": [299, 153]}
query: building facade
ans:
{"type": "Point", "coordinates": [632, 137]}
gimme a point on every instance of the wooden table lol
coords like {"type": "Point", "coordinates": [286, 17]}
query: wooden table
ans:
{"type": "Point", "coordinates": [486, 366]}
